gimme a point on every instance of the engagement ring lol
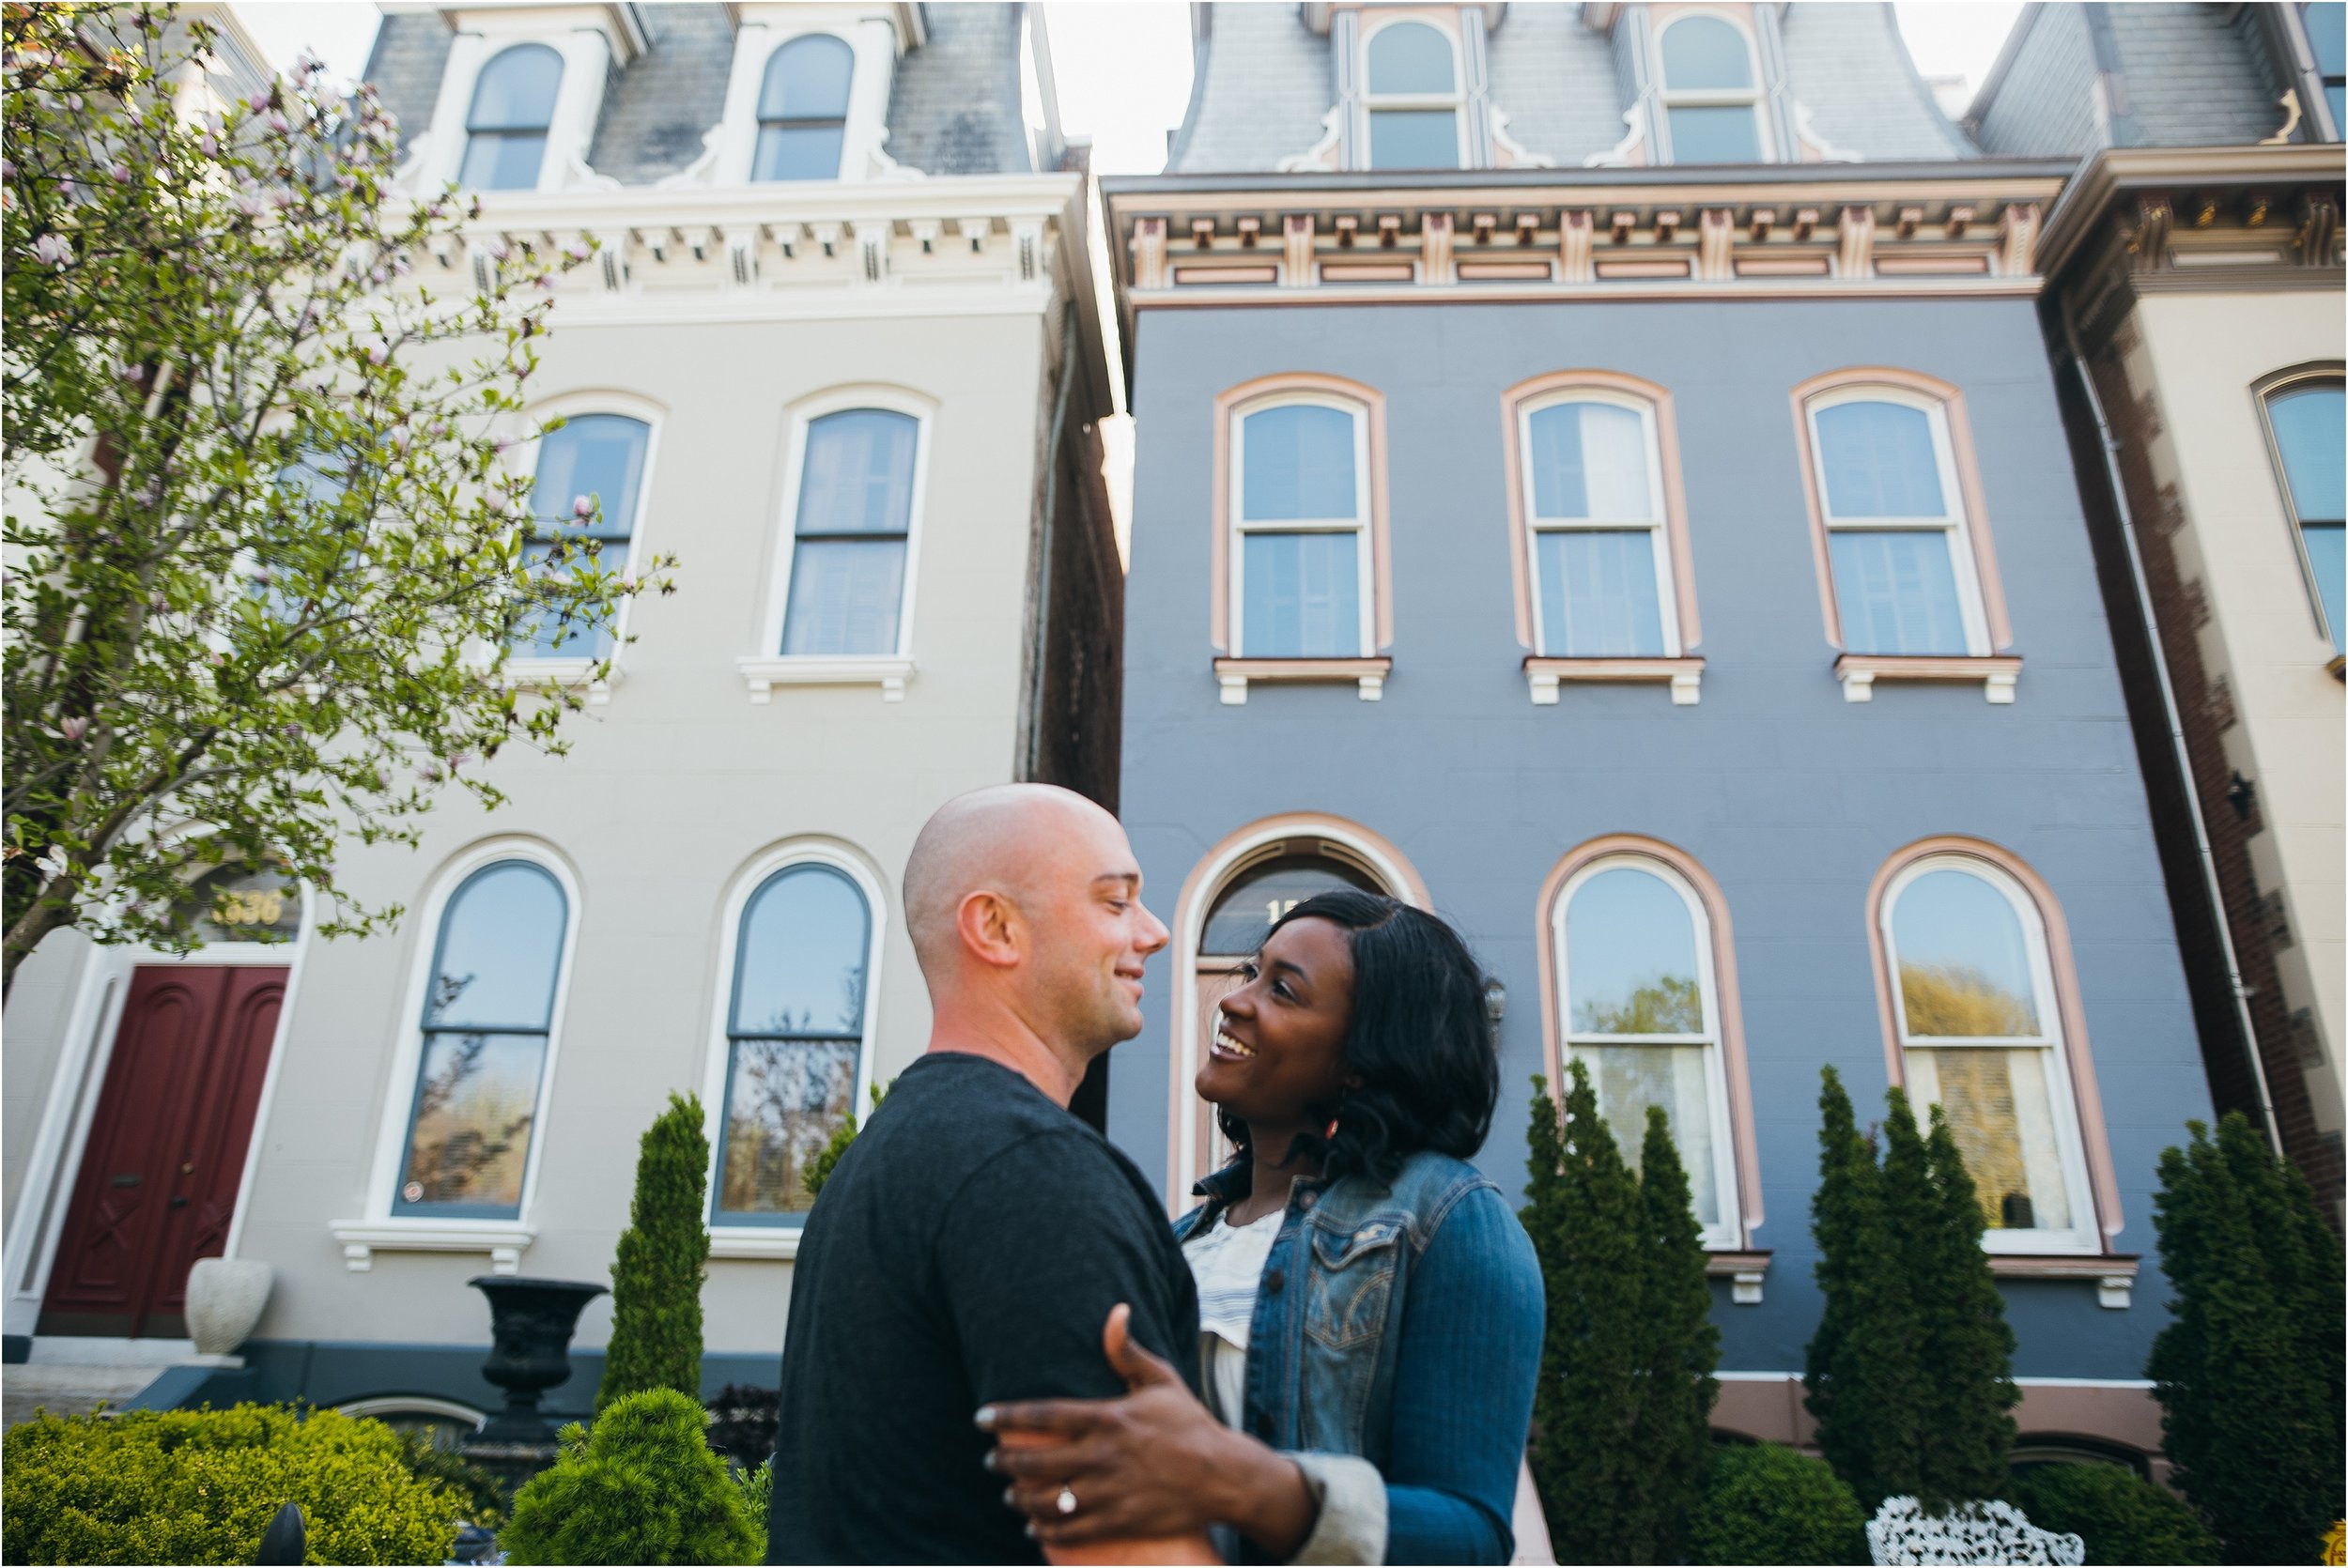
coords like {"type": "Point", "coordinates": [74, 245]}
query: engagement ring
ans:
{"type": "Point", "coordinates": [1067, 1500]}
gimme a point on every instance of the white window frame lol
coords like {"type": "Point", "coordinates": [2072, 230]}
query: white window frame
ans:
{"type": "Point", "coordinates": [1952, 522]}
{"type": "Point", "coordinates": [1456, 100]}
{"type": "Point", "coordinates": [2063, 1105]}
{"type": "Point", "coordinates": [1727, 1234]}
{"type": "Point", "coordinates": [871, 34]}
{"type": "Point", "coordinates": [504, 1239]}
{"type": "Point", "coordinates": [1365, 590]}
{"type": "Point", "coordinates": [588, 37]}
{"type": "Point", "coordinates": [1755, 97]}
{"type": "Point", "coordinates": [781, 1240]}
{"type": "Point", "coordinates": [1657, 523]}
{"type": "Point", "coordinates": [569, 670]}
{"type": "Point", "coordinates": [768, 667]}
{"type": "Point", "coordinates": [2267, 390]}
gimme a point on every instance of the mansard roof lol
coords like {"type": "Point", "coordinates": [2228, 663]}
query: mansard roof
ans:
{"type": "Point", "coordinates": [1565, 85]}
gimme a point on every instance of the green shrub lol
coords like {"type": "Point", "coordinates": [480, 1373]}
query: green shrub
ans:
{"type": "Point", "coordinates": [1763, 1502]}
{"type": "Point", "coordinates": [2122, 1518]}
{"type": "Point", "coordinates": [656, 1277]}
{"type": "Point", "coordinates": [200, 1486]}
{"type": "Point", "coordinates": [645, 1486]}
{"type": "Point", "coordinates": [757, 1487]}
{"type": "Point", "coordinates": [820, 1164]}
{"type": "Point", "coordinates": [478, 1495]}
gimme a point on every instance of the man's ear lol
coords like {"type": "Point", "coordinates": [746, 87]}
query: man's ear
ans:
{"type": "Point", "coordinates": [991, 927]}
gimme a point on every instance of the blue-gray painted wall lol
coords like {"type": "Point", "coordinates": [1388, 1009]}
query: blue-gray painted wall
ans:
{"type": "Point", "coordinates": [1789, 796]}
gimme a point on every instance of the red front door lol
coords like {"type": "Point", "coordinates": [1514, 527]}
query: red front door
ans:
{"type": "Point", "coordinates": [166, 1149]}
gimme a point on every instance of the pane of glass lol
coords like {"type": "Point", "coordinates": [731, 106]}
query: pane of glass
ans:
{"type": "Point", "coordinates": [1999, 1113]}
{"type": "Point", "coordinates": [1879, 461]}
{"type": "Point", "coordinates": [1715, 133]}
{"type": "Point", "coordinates": [1630, 1078]}
{"type": "Point", "coordinates": [1303, 596]}
{"type": "Point", "coordinates": [798, 152]}
{"type": "Point", "coordinates": [2329, 563]}
{"type": "Point", "coordinates": [1589, 460]}
{"type": "Point", "coordinates": [807, 79]}
{"type": "Point", "coordinates": [476, 1096]}
{"type": "Point", "coordinates": [1897, 592]}
{"type": "Point", "coordinates": [1243, 915]}
{"type": "Point", "coordinates": [600, 457]}
{"type": "Point", "coordinates": [1701, 52]}
{"type": "Point", "coordinates": [1297, 462]}
{"type": "Point", "coordinates": [2336, 94]}
{"type": "Point", "coordinates": [1964, 959]}
{"type": "Point", "coordinates": [500, 943]}
{"type": "Point", "coordinates": [2324, 38]}
{"type": "Point", "coordinates": [515, 91]}
{"type": "Point", "coordinates": [800, 968]}
{"type": "Point", "coordinates": [1410, 57]}
{"type": "Point", "coordinates": [859, 473]}
{"type": "Point", "coordinates": [1414, 139]}
{"type": "Point", "coordinates": [540, 630]}
{"type": "Point", "coordinates": [1631, 957]}
{"type": "Point", "coordinates": [785, 1099]}
{"type": "Point", "coordinates": [236, 903]}
{"type": "Point", "coordinates": [1598, 596]}
{"type": "Point", "coordinates": [502, 160]}
{"type": "Point", "coordinates": [2308, 430]}
{"type": "Point", "coordinates": [845, 595]}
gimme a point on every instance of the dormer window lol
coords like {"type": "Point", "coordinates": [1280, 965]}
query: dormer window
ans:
{"type": "Point", "coordinates": [1711, 93]}
{"type": "Point", "coordinates": [803, 110]}
{"type": "Point", "coordinates": [505, 132]}
{"type": "Point", "coordinates": [1413, 97]}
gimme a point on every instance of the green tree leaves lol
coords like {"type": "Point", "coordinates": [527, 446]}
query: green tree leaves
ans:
{"type": "Point", "coordinates": [656, 1277]}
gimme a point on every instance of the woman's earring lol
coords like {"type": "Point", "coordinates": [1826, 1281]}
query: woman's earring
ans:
{"type": "Point", "coordinates": [1331, 1132]}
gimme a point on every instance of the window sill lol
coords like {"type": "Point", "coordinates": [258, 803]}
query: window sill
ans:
{"type": "Point", "coordinates": [1743, 1271]}
{"type": "Point", "coordinates": [567, 673]}
{"type": "Point", "coordinates": [2337, 666]}
{"type": "Point", "coordinates": [763, 673]}
{"type": "Point", "coordinates": [504, 1240]}
{"type": "Point", "coordinates": [1369, 675]}
{"type": "Point", "coordinates": [1542, 675]}
{"type": "Point", "coordinates": [2114, 1273]}
{"type": "Point", "coordinates": [742, 1242]}
{"type": "Point", "coordinates": [1858, 672]}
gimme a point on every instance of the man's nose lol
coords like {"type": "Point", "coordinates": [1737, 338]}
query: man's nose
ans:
{"type": "Point", "coordinates": [1153, 933]}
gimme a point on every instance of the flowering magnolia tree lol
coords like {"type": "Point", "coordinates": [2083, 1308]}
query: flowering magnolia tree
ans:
{"type": "Point", "coordinates": [267, 548]}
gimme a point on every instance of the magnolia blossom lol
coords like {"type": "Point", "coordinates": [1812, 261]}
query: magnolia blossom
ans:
{"type": "Point", "coordinates": [253, 203]}
{"type": "Point", "coordinates": [207, 144]}
{"type": "Point", "coordinates": [119, 174]}
{"type": "Point", "coordinates": [581, 507]}
{"type": "Point", "coordinates": [53, 249]}
{"type": "Point", "coordinates": [53, 865]}
{"type": "Point", "coordinates": [73, 729]}
{"type": "Point", "coordinates": [377, 354]}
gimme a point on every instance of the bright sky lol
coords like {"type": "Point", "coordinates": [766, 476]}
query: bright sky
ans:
{"type": "Point", "coordinates": [1123, 66]}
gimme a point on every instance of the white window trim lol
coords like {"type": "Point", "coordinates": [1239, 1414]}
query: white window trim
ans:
{"type": "Point", "coordinates": [1726, 1236]}
{"type": "Point", "coordinates": [583, 36]}
{"type": "Point", "coordinates": [1456, 99]}
{"type": "Point", "coordinates": [2083, 1237]}
{"type": "Point", "coordinates": [1952, 522]}
{"type": "Point", "coordinates": [1657, 523]}
{"type": "Point", "coordinates": [782, 1239]}
{"type": "Point", "coordinates": [768, 668]}
{"type": "Point", "coordinates": [1755, 97]}
{"type": "Point", "coordinates": [2267, 392]}
{"type": "Point", "coordinates": [1366, 590]}
{"type": "Point", "coordinates": [381, 1230]}
{"type": "Point", "coordinates": [869, 34]}
{"type": "Point", "coordinates": [527, 669]}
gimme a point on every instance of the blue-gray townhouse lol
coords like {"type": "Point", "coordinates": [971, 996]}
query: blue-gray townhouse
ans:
{"type": "Point", "coordinates": [1598, 476]}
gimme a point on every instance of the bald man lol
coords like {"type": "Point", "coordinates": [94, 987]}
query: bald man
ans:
{"type": "Point", "coordinates": [969, 1245]}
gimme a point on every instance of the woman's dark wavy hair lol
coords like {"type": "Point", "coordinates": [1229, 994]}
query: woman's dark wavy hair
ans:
{"type": "Point", "coordinates": [1420, 1041]}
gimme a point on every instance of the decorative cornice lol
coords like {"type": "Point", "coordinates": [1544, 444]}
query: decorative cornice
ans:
{"type": "Point", "coordinates": [2203, 212]}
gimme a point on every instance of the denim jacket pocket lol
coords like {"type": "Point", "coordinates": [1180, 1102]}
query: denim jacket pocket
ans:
{"type": "Point", "coordinates": [1353, 1282]}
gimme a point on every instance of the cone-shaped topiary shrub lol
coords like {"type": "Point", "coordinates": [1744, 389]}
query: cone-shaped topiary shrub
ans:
{"type": "Point", "coordinates": [2122, 1517]}
{"type": "Point", "coordinates": [656, 1277]}
{"type": "Point", "coordinates": [642, 1487]}
{"type": "Point", "coordinates": [1764, 1503]}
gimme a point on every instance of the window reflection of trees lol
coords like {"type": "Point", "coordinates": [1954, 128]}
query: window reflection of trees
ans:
{"type": "Point", "coordinates": [471, 1127]}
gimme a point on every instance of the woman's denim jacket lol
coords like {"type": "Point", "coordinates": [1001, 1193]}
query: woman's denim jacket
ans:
{"type": "Point", "coordinates": [1400, 1323]}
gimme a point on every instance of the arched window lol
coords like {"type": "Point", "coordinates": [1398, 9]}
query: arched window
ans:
{"type": "Point", "coordinates": [803, 110]}
{"type": "Point", "coordinates": [1901, 555]}
{"type": "Point", "coordinates": [1412, 96]}
{"type": "Point", "coordinates": [2305, 418]}
{"type": "Point", "coordinates": [1980, 1032]}
{"type": "Point", "coordinates": [505, 132]}
{"type": "Point", "coordinates": [1642, 1011]}
{"type": "Point", "coordinates": [1301, 580]}
{"type": "Point", "coordinates": [488, 1012]}
{"type": "Point", "coordinates": [1711, 102]}
{"type": "Point", "coordinates": [851, 536]}
{"type": "Point", "coordinates": [797, 1019]}
{"type": "Point", "coordinates": [1601, 554]}
{"type": "Point", "coordinates": [593, 457]}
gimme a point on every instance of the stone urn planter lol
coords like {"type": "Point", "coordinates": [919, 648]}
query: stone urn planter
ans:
{"type": "Point", "coordinates": [530, 1324]}
{"type": "Point", "coordinates": [226, 1297]}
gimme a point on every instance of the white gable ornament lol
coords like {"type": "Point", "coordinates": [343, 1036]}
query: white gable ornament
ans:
{"type": "Point", "coordinates": [1902, 1532]}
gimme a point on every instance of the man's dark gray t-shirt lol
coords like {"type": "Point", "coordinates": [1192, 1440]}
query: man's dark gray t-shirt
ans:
{"type": "Point", "coordinates": [967, 1248]}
